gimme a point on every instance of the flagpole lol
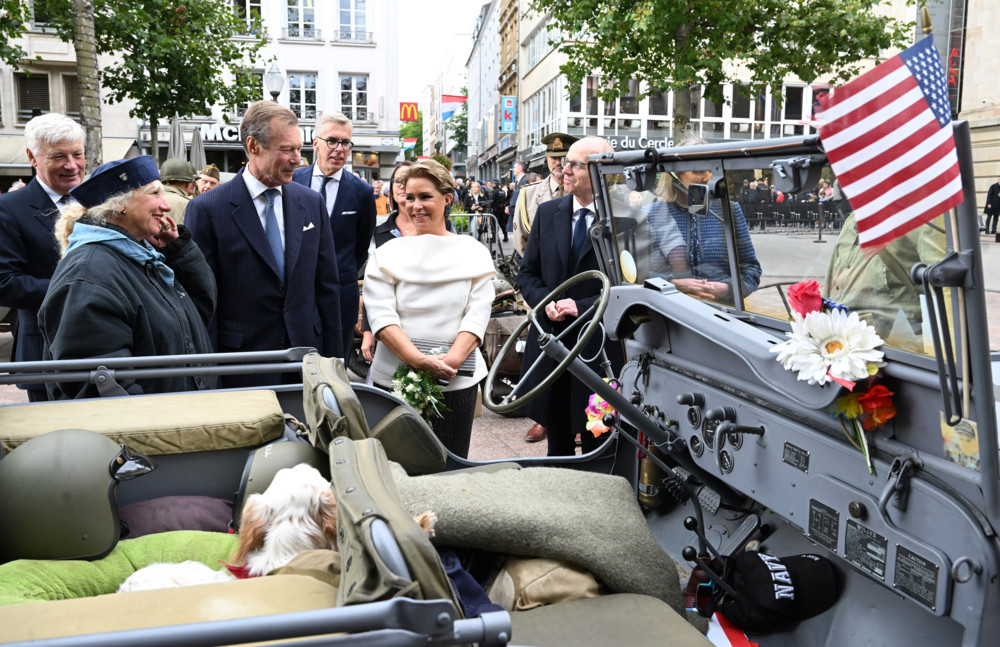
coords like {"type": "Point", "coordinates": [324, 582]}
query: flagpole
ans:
{"type": "Point", "coordinates": [927, 28]}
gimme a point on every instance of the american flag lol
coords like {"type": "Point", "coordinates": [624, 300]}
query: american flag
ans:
{"type": "Point", "coordinates": [889, 139]}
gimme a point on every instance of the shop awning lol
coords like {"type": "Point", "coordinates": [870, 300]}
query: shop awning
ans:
{"type": "Point", "coordinates": [116, 149]}
{"type": "Point", "coordinates": [12, 153]}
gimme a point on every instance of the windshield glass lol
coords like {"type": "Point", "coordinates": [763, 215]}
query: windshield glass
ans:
{"type": "Point", "coordinates": [677, 231]}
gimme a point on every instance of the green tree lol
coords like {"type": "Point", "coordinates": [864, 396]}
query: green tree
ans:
{"type": "Point", "coordinates": [172, 57]}
{"type": "Point", "coordinates": [458, 125]}
{"type": "Point", "coordinates": [14, 17]}
{"type": "Point", "coordinates": [88, 80]}
{"type": "Point", "coordinates": [414, 129]}
{"type": "Point", "coordinates": [672, 45]}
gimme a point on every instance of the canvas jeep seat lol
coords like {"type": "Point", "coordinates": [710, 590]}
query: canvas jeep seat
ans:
{"type": "Point", "coordinates": [368, 500]}
{"type": "Point", "coordinates": [333, 411]}
{"type": "Point", "coordinates": [156, 425]}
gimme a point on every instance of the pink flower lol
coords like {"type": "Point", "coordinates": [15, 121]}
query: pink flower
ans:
{"type": "Point", "coordinates": [805, 297]}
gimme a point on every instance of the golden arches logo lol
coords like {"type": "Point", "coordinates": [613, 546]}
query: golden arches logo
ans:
{"type": "Point", "coordinates": [409, 112]}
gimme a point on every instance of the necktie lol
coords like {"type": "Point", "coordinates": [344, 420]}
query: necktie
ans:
{"type": "Point", "coordinates": [580, 233]}
{"type": "Point", "coordinates": [272, 232]}
{"type": "Point", "coordinates": [322, 189]}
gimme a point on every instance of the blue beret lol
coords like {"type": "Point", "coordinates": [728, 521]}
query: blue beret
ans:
{"type": "Point", "coordinates": [114, 178]}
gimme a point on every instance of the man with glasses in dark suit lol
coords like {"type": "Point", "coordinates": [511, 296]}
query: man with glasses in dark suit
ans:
{"type": "Point", "coordinates": [350, 204]}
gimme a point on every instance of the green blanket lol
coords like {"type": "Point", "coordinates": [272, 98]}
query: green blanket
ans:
{"type": "Point", "coordinates": [587, 519]}
{"type": "Point", "coordinates": [29, 580]}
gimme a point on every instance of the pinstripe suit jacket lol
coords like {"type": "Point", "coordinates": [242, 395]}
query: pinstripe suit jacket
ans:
{"type": "Point", "coordinates": [352, 221]}
{"type": "Point", "coordinates": [257, 309]}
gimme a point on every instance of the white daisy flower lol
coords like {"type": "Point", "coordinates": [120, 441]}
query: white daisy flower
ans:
{"type": "Point", "coordinates": [826, 344]}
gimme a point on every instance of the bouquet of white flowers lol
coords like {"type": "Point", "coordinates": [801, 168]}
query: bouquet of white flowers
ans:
{"type": "Point", "coordinates": [418, 389]}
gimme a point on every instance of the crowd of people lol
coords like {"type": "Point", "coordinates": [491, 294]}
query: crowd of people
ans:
{"type": "Point", "coordinates": [163, 260]}
{"type": "Point", "coordinates": [764, 205]}
{"type": "Point", "coordinates": [143, 259]}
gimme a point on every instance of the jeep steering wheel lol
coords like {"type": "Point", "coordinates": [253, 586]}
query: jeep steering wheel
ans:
{"type": "Point", "coordinates": [595, 313]}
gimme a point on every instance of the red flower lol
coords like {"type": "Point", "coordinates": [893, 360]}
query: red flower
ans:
{"type": "Point", "coordinates": [877, 403]}
{"type": "Point", "coordinates": [805, 297]}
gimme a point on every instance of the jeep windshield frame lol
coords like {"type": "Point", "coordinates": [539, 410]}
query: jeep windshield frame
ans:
{"type": "Point", "coordinates": [618, 177]}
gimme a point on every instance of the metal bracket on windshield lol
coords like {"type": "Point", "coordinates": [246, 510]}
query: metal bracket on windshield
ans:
{"type": "Point", "coordinates": [642, 177]}
{"type": "Point", "coordinates": [952, 271]}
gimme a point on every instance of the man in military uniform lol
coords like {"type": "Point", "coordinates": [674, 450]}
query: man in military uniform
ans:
{"type": "Point", "coordinates": [208, 178]}
{"type": "Point", "coordinates": [532, 195]}
{"type": "Point", "coordinates": [178, 186]}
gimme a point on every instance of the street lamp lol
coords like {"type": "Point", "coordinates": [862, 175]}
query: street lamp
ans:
{"type": "Point", "coordinates": [274, 80]}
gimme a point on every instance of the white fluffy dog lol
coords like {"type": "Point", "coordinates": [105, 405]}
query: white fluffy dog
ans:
{"type": "Point", "coordinates": [296, 512]}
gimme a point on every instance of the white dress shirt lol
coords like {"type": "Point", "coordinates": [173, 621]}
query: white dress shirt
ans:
{"type": "Point", "coordinates": [56, 197]}
{"type": "Point", "coordinates": [331, 187]}
{"type": "Point", "coordinates": [590, 216]}
{"type": "Point", "coordinates": [257, 189]}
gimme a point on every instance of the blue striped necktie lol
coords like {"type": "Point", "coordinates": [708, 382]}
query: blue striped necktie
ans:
{"type": "Point", "coordinates": [272, 232]}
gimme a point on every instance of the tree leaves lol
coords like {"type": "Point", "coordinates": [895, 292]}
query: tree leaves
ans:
{"type": "Point", "coordinates": [676, 44]}
{"type": "Point", "coordinates": [172, 57]}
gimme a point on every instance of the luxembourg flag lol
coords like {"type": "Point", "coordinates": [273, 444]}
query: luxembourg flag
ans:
{"type": "Point", "coordinates": [409, 142]}
{"type": "Point", "coordinates": [450, 103]}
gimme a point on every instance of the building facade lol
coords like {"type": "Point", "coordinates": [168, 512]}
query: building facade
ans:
{"type": "Point", "coordinates": [483, 67]}
{"type": "Point", "coordinates": [47, 82]}
{"type": "Point", "coordinates": [339, 55]}
{"type": "Point", "coordinates": [335, 56]}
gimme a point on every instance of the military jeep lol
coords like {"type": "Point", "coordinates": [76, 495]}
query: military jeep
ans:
{"type": "Point", "coordinates": [722, 450]}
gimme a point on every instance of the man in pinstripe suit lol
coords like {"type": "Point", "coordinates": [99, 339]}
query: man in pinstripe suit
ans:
{"type": "Point", "coordinates": [271, 249]}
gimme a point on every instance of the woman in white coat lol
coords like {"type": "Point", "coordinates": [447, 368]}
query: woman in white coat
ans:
{"type": "Point", "coordinates": [437, 287]}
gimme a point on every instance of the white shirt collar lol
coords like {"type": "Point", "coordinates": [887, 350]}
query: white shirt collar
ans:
{"type": "Point", "coordinates": [56, 197]}
{"type": "Point", "coordinates": [577, 205]}
{"type": "Point", "coordinates": [336, 177]}
{"type": "Point", "coordinates": [255, 186]}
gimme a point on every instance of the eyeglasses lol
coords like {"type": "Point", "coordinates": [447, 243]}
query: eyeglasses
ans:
{"type": "Point", "coordinates": [333, 143]}
{"type": "Point", "coordinates": [574, 165]}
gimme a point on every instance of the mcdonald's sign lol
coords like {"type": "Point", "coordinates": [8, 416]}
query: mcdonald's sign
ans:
{"type": "Point", "coordinates": [409, 112]}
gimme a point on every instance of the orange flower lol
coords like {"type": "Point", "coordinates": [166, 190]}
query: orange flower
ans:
{"type": "Point", "coordinates": [877, 403]}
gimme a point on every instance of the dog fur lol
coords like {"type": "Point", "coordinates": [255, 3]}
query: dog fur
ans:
{"type": "Point", "coordinates": [296, 512]}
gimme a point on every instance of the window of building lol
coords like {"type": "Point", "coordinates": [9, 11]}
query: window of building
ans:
{"type": "Point", "coordinates": [40, 17]}
{"type": "Point", "coordinates": [542, 111]}
{"type": "Point", "coordinates": [628, 103]}
{"type": "Point", "coordinates": [792, 110]}
{"type": "Point", "coordinates": [354, 20]}
{"type": "Point", "coordinates": [592, 84]}
{"type": "Point", "coordinates": [538, 45]}
{"type": "Point", "coordinates": [302, 94]}
{"type": "Point", "coordinates": [32, 95]}
{"type": "Point", "coordinates": [302, 20]}
{"type": "Point", "coordinates": [249, 11]}
{"type": "Point", "coordinates": [258, 94]}
{"type": "Point", "coordinates": [71, 96]}
{"type": "Point", "coordinates": [354, 97]}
